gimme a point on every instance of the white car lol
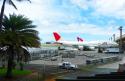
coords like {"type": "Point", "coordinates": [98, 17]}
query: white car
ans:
{"type": "Point", "coordinates": [67, 65]}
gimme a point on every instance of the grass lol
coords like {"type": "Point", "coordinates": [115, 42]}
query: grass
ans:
{"type": "Point", "coordinates": [16, 72]}
{"type": "Point", "coordinates": [88, 68]}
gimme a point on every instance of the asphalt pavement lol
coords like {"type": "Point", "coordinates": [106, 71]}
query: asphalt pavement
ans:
{"type": "Point", "coordinates": [49, 66]}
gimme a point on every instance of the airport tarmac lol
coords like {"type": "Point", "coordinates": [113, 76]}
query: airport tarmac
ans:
{"type": "Point", "coordinates": [79, 59]}
{"type": "Point", "coordinates": [49, 66]}
{"type": "Point", "coordinates": [114, 65]}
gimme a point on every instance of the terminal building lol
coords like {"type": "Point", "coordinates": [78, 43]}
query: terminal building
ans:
{"type": "Point", "coordinates": [122, 42]}
{"type": "Point", "coordinates": [118, 43]}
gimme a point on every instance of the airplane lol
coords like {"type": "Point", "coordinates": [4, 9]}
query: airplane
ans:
{"type": "Point", "coordinates": [79, 44]}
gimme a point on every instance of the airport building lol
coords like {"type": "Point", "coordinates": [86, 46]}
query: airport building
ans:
{"type": "Point", "coordinates": [122, 42]}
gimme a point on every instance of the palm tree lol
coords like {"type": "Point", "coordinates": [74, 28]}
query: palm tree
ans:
{"type": "Point", "coordinates": [3, 7]}
{"type": "Point", "coordinates": [22, 56]}
{"type": "Point", "coordinates": [17, 33]}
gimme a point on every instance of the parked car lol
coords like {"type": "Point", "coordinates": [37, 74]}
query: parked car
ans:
{"type": "Point", "coordinates": [53, 59]}
{"type": "Point", "coordinates": [67, 65]}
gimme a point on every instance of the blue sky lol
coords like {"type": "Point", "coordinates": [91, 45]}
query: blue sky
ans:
{"type": "Point", "coordinates": [92, 20]}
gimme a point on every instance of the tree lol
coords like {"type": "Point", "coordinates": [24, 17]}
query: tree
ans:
{"type": "Point", "coordinates": [3, 8]}
{"type": "Point", "coordinates": [23, 56]}
{"type": "Point", "coordinates": [16, 34]}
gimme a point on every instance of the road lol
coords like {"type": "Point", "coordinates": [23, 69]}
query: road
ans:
{"type": "Point", "coordinates": [102, 69]}
{"type": "Point", "coordinates": [49, 66]}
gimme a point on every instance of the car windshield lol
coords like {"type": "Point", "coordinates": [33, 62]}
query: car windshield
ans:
{"type": "Point", "coordinates": [62, 40]}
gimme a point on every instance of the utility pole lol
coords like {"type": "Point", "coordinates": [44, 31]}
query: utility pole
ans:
{"type": "Point", "coordinates": [120, 40]}
{"type": "Point", "coordinates": [114, 37]}
{"type": "Point", "coordinates": [111, 38]}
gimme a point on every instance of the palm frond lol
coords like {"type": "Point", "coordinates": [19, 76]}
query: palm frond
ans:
{"type": "Point", "coordinates": [11, 3]}
{"type": "Point", "coordinates": [21, 29]}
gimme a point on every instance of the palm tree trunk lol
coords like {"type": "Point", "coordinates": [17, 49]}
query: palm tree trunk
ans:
{"type": "Point", "coordinates": [21, 66]}
{"type": "Point", "coordinates": [21, 62]}
{"type": "Point", "coordinates": [10, 62]}
{"type": "Point", "coordinates": [2, 13]}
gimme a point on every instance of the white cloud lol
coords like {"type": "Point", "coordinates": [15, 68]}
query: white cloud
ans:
{"type": "Point", "coordinates": [49, 18]}
{"type": "Point", "coordinates": [89, 29]}
{"type": "Point", "coordinates": [79, 28]}
{"type": "Point", "coordinates": [113, 8]}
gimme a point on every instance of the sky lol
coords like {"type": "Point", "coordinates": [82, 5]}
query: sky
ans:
{"type": "Point", "coordinates": [92, 20]}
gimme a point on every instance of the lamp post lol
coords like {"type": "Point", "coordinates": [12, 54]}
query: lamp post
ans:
{"type": "Point", "coordinates": [114, 37]}
{"type": "Point", "coordinates": [120, 40]}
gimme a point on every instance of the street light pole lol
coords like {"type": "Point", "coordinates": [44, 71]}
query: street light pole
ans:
{"type": "Point", "coordinates": [120, 40]}
{"type": "Point", "coordinates": [114, 37]}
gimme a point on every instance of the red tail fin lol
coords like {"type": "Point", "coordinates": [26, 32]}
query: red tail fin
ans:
{"type": "Point", "coordinates": [57, 36]}
{"type": "Point", "coordinates": [79, 39]}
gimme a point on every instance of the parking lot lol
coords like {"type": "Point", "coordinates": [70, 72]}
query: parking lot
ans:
{"type": "Point", "coordinates": [79, 58]}
{"type": "Point", "coordinates": [48, 66]}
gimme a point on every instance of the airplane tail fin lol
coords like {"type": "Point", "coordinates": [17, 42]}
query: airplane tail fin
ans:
{"type": "Point", "coordinates": [79, 39]}
{"type": "Point", "coordinates": [57, 36]}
